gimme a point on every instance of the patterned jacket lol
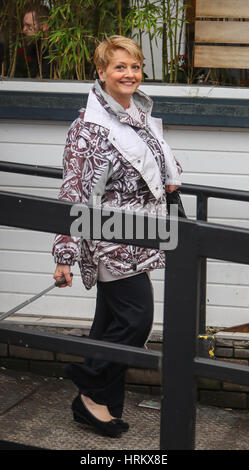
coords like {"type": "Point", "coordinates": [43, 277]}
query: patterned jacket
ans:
{"type": "Point", "coordinates": [124, 163]}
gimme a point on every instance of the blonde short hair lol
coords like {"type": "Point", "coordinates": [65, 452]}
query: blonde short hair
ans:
{"type": "Point", "coordinates": [104, 51]}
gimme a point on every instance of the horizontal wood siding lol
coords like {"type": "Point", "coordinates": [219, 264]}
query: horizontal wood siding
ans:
{"type": "Point", "coordinates": [223, 57]}
{"type": "Point", "coordinates": [210, 156]}
{"type": "Point", "coordinates": [222, 8]}
{"type": "Point", "coordinates": [232, 32]}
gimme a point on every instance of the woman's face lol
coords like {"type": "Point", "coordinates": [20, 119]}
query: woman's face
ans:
{"type": "Point", "coordinates": [121, 77]}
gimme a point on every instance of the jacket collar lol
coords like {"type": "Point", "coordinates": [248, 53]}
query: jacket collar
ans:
{"type": "Point", "coordinates": [124, 138]}
{"type": "Point", "coordinates": [99, 103]}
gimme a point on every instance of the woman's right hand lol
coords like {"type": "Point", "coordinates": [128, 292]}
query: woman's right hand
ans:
{"type": "Point", "coordinates": [63, 270]}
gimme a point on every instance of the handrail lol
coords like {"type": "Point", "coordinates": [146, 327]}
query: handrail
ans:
{"type": "Point", "coordinates": [203, 193]}
{"type": "Point", "coordinates": [186, 188]}
{"type": "Point", "coordinates": [35, 170]}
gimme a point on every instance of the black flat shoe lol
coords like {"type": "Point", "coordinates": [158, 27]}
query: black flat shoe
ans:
{"type": "Point", "coordinates": [122, 424]}
{"type": "Point", "coordinates": [82, 415]}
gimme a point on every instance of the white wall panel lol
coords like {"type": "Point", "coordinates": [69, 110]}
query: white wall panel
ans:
{"type": "Point", "coordinates": [33, 132]}
{"type": "Point", "coordinates": [35, 154]}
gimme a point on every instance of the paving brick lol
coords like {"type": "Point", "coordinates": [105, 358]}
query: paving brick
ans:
{"type": "Point", "coordinates": [3, 350]}
{"type": "Point", "coordinates": [233, 335]}
{"type": "Point", "coordinates": [241, 336]}
{"type": "Point", "coordinates": [152, 390]}
{"type": "Point", "coordinates": [208, 384]}
{"type": "Point", "coordinates": [235, 387]}
{"type": "Point", "coordinates": [138, 388]}
{"type": "Point", "coordinates": [224, 342]}
{"type": "Point", "coordinates": [155, 346]}
{"type": "Point", "coordinates": [223, 352]}
{"type": "Point", "coordinates": [68, 358]}
{"type": "Point", "coordinates": [49, 369]}
{"type": "Point", "coordinates": [29, 353]}
{"type": "Point", "coordinates": [243, 353]}
{"type": "Point", "coordinates": [143, 376]}
{"type": "Point", "coordinates": [241, 344]}
{"type": "Point", "coordinates": [234, 361]}
{"type": "Point", "coordinates": [156, 336]}
{"type": "Point", "coordinates": [224, 399]}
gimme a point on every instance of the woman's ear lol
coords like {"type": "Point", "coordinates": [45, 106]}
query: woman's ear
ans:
{"type": "Point", "coordinates": [101, 74]}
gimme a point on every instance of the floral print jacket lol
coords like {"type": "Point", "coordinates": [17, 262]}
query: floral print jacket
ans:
{"type": "Point", "coordinates": [125, 163]}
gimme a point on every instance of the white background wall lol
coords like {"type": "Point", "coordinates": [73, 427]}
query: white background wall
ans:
{"type": "Point", "coordinates": [209, 156]}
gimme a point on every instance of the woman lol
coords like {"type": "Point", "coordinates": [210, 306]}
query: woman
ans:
{"type": "Point", "coordinates": [114, 152]}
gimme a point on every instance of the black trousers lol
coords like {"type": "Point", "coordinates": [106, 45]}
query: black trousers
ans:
{"type": "Point", "coordinates": [124, 314]}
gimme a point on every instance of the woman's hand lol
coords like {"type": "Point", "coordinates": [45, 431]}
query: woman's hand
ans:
{"type": "Point", "coordinates": [63, 270]}
{"type": "Point", "coordinates": [170, 188]}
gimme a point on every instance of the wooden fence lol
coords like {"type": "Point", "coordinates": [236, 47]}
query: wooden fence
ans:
{"type": "Point", "coordinates": [222, 34]}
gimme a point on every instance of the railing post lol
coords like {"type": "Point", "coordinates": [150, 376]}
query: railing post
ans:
{"type": "Point", "coordinates": [181, 306]}
{"type": "Point", "coordinates": [202, 208]}
{"type": "Point", "coordinates": [202, 214]}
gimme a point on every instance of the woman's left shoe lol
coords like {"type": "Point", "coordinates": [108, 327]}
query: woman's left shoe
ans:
{"type": "Point", "coordinates": [81, 414]}
{"type": "Point", "coordinates": [122, 424]}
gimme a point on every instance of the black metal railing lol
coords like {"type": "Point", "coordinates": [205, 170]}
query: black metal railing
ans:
{"type": "Point", "coordinates": [179, 361]}
{"type": "Point", "coordinates": [202, 193]}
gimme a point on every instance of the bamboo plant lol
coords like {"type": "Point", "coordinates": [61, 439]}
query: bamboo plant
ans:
{"type": "Point", "coordinates": [163, 19]}
{"type": "Point", "coordinates": [74, 28]}
{"type": "Point", "coordinates": [173, 19]}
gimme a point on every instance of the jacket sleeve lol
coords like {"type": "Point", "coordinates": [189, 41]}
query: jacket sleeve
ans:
{"type": "Point", "coordinates": [179, 166]}
{"type": "Point", "coordinates": [173, 168]}
{"type": "Point", "coordinates": [84, 166]}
